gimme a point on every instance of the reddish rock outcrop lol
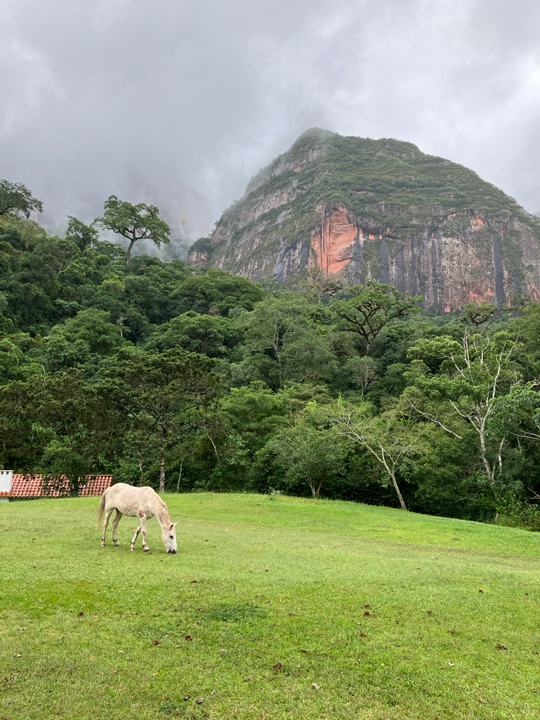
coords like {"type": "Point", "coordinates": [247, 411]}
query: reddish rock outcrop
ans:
{"type": "Point", "coordinates": [457, 262]}
{"type": "Point", "coordinates": [198, 258]}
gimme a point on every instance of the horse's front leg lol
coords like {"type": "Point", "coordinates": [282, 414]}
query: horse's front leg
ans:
{"type": "Point", "coordinates": [142, 523]}
{"type": "Point", "coordinates": [116, 520]}
{"type": "Point", "coordinates": [105, 523]}
{"type": "Point", "coordinates": [134, 540]}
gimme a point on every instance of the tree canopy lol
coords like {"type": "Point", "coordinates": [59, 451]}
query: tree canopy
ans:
{"type": "Point", "coordinates": [134, 222]}
{"type": "Point", "coordinates": [370, 309]}
{"type": "Point", "coordinates": [17, 200]}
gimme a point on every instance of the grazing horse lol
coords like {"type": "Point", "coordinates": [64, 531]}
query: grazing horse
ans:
{"type": "Point", "coordinates": [141, 502]}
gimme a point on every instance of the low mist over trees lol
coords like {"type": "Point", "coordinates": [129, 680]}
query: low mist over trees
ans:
{"type": "Point", "coordinates": [190, 379]}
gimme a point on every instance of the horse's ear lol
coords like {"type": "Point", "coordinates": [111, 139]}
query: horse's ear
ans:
{"type": "Point", "coordinates": [172, 526]}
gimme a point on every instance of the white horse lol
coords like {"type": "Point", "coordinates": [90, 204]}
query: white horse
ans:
{"type": "Point", "coordinates": [141, 502]}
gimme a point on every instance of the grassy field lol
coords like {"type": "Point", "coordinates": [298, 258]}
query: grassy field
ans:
{"type": "Point", "coordinates": [273, 607]}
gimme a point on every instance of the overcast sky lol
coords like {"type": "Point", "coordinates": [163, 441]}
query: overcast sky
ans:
{"type": "Point", "coordinates": [182, 101]}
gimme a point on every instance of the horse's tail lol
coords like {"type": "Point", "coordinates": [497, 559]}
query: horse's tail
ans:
{"type": "Point", "coordinates": [101, 510]}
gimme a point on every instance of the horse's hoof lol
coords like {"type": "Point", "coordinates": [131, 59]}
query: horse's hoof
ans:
{"type": "Point", "coordinates": [146, 549]}
{"type": "Point", "coordinates": [102, 544]}
{"type": "Point", "coordinates": [132, 549]}
{"type": "Point", "coordinates": [116, 544]}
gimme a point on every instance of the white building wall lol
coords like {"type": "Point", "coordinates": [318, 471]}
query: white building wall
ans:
{"type": "Point", "coordinates": [6, 478]}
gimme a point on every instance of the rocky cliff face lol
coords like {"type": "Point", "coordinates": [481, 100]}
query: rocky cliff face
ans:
{"type": "Point", "coordinates": [379, 209]}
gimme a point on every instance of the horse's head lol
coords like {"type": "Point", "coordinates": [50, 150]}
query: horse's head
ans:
{"type": "Point", "coordinates": [168, 535]}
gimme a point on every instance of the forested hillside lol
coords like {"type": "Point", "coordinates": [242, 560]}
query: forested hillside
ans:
{"type": "Point", "coordinates": [199, 380]}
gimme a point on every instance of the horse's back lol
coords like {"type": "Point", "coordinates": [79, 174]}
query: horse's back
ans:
{"type": "Point", "coordinates": [131, 500]}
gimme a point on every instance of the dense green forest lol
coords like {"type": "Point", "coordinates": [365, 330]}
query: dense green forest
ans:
{"type": "Point", "coordinates": [190, 380]}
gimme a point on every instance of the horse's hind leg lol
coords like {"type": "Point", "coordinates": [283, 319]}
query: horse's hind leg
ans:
{"type": "Point", "coordinates": [116, 520]}
{"type": "Point", "coordinates": [105, 523]}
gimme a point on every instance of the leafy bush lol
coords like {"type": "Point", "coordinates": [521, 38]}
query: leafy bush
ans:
{"type": "Point", "coordinates": [513, 511]}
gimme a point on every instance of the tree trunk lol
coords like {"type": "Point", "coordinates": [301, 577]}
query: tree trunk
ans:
{"type": "Point", "coordinates": [141, 468]}
{"type": "Point", "coordinates": [162, 466]}
{"type": "Point", "coordinates": [318, 490]}
{"type": "Point", "coordinates": [180, 474]}
{"type": "Point", "coordinates": [128, 258]}
{"type": "Point", "coordinates": [489, 467]}
{"type": "Point", "coordinates": [396, 487]}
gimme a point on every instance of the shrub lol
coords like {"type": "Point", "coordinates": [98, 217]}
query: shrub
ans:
{"type": "Point", "coordinates": [512, 511]}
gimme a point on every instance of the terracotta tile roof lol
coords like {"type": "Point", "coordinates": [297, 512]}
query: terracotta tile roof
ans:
{"type": "Point", "coordinates": [27, 486]}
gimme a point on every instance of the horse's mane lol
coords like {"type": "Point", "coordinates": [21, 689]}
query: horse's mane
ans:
{"type": "Point", "coordinates": [162, 512]}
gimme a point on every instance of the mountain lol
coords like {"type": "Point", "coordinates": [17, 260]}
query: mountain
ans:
{"type": "Point", "coordinates": [358, 209]}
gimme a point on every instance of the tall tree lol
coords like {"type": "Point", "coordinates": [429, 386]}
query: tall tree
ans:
{"type": "Point", "coordinates": [391, 437]}
{"type": "Point", "coordinates": [210, 335]}
{"type": "Point", "coordinates": [283, 331]}
{"type": "Point", "coordinates": [478, 314]}
{"type": "Point", "coordinates": [152, 390]}
{"type": "Point", "coordinates": [16, 200]}
{"type": "Point", "coordinates": [518, 413]}
{"type": "Point", "coordinates": [58, 410]}
{"type": "Point", "coordinates": [134, 222]}
{"type": "Point", "coordinates": [216, 292]}
{"type": "Point", "coordinates": [371, 308]}
{"type": "Point", "coordinates": [310, 450]}
{"type": "Point", "coordinates": [84, 236]}
{"type": "Point", "coordinates": [473, 372]}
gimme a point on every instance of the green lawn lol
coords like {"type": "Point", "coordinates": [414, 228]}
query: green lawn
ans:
{"type": "Point", "coordinates": [273, 593]}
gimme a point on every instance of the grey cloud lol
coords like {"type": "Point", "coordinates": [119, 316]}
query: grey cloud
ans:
{"type": "Point", "coordinates": [181, 101]}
